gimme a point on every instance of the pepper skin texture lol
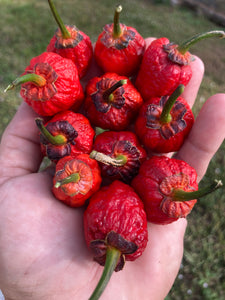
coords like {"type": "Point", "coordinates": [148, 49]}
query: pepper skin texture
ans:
{"type": "Point", "coordinates": [62, 89]}
{"type": "Point", "coordinates": [159, 137]}
{"type": "Point", "coordinates": [155, 184]}
{"type": "Point", "coordinates": [122, 145]}
{"type": "Point", "coordinates": [115, 208]}
{"type": "Point", "coordinates": [76, 130]}
{"type": "Point", "coordinates": [78, 48]}
{"type": "Point", "coordinates": [75, 194]}
{"type": "Point", "coordinates": [121, 55]}
{"type": "Point", "coordinates": [114, 113]}
{"type": "Point", "coordinates": [158, 74]}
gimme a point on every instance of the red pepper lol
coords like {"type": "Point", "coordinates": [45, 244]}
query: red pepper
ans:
{"type": "Point", "coordinates": [76, 179]}
{"type": "Point", "coordinates": [66, 134]}
{"type": "Point", "coordinates": [69, 42]}
{"type": "Point", "coordinates": [168, 187]}
{"type": "Point", "coordinates": [166, 65]}
{"type": "Point", "coordinates": [164, 122]}
{"type": "Point", "coordinates": [119, 154]}
{"type": "Point", "coordinates": [50, 84]}
{"type": "Point", "coordinates": [115, 228]}
{"type": "Point", "coordinates": [112, 102]}
{"type": "Point", "coordinates": [119, 48]}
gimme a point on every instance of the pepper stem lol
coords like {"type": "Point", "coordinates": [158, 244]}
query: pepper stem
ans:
{"type": "Point", "coordinates": [180, 195]}
{"type": "Point", "coordinates": [118, 161]}
{"type": "Point", "coordinates": [116, 25]}
{"type": "Point", "coordinates": [65, 32]}
{"type": "Point", "coordinates": [112, 257]}
{"type": "Point", "coordinates": [108, 94]}
{"type": "Point", "coordinates": [54, 140]}
{"type": "Point", "coordinates": [184, 47]}
{"type": "Point", "coordinates": [72, 178]}
{"type": "Point", "coordinates": [34, 78]}
{"type": "Point", "coordinates": [165, 115]}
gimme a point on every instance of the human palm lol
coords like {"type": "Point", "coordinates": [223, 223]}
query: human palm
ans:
{"type": "Point", "coordinates": [43, 254]}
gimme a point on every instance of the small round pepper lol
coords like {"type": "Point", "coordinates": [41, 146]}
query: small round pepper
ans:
{"type": "Point", "coordinates": [111, 102]}
{"type": "Point", "coordinates": [50, 84]}
{"type": "Point", "coordinates": [164, 122]}
{"type": "Point", "coordinates": [119, 153]}
{"type": "Point", "coordinates": [115, 228]}
{"type": "Point", "coordinates": [66, 134]}
{"type": "Point", "coordinates": [76, 179]}
{"type": "Point", "coordinates": [166, 65]}
{"type": "Point", "coordinates": [69, 42]}
{"type": "Point", "coordinates": [119, 48]}
{"type": "Point", "coordinates": [168, 187]}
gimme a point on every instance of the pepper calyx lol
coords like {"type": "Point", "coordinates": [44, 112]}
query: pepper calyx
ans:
{"type": "Point", "coordinates": [109, 92]}
{"type": "Point", "coordinates": [168, 115]}
{"type": "Point", "coordinates": [112, 240]}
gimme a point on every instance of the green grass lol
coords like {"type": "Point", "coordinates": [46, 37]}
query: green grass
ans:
{"type": "Point", "coordinates": [26, 28]}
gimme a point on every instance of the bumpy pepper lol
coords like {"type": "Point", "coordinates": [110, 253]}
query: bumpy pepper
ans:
{"type": "Point", "coordinates": [115, 228]}
{"type": "Point", "coordinates": [50, 84]}
{"type": "Point", "coordinates": [111, 102]}
{"type": "Point", "coordinates": [119, 154]}
{"type": "Point", "coordinates": [168, 187]}
{"type": "Point", "coordinates": [66, 134]}
{"type": "Point", "coordinates": [69, 42]}
{"type": "Point", "coordinates": [166, 65]}
{"type": "Point", "coordinates": [76, 179]}
{"type": "Point", "coordinates": [119, 48]}
{"type": "Point", "coordinates": [164, 122]}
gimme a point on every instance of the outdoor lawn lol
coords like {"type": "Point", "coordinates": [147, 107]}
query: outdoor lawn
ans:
{"type": "Point", "coordinates": [27, 27]}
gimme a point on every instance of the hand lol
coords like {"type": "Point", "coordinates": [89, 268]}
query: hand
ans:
{"type": "Point", "coordinates": [43, 254]}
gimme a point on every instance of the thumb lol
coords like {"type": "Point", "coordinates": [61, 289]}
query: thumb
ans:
{"type": "Point", "coordinates": [20, 149]}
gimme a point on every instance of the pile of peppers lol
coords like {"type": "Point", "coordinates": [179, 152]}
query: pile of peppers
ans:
{"type": "Point", "coordinates": [109, 140]}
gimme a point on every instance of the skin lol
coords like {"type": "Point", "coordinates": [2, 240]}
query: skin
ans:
{"type": "Point", "coordinates": [43, 254]}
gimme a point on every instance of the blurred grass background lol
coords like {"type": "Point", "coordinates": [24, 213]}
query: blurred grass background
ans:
{"type": "Point", "coordinates": [26, 28]}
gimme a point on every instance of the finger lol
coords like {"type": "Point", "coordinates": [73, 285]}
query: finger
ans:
{"type": "Point", "coordinates": [206, 136]}
{"type": "Point", "coordinates": [20, 148]}
{"type": "Point", "coordinates": [192, 88]}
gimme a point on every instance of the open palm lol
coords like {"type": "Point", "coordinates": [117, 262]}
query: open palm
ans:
{"type": "Point", "coordinates": [43, 254]}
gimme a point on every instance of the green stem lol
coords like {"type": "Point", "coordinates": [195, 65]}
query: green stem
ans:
{"type": "Point", "coordinates": [116, 25]}
{"type": "Point", "coordinates": [108, 94]}
{"type": "Point", "coordinates": [112, 257]}
{"type": "Point", "coordinates": [72, 178]}
{"type": "Point", "coordinates": [54, 140]}
{"type": "Point", "coordinates": [34, 78]}
{"type": "Point", "coordinates": [65, 32]}
{"type": "Point", "coordinates": [118, 161]}
{"type": "Point", "coordinates": [184, 47]}
{"type": "Point", "coordinates": [180, 195]}
{"type": "Point", "coordinates": [165, 115]}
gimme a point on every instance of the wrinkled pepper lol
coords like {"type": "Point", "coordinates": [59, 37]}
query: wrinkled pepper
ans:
{"type": "Point", "coordinates": [119, 48]}
{"type": "Point", "coordinates": [166, 65]}
{"type": "Point", "coordinates": [69, 42]}
{"type": "Point", "coordinates": [164, 122]}
{"type": "Point", "coordinates": [111, 102]}
{"type": "Point", "coordinates": [76, 179]}
{"type": "Point", "coordinates": [115, 228]}
{"type": "Point", "coordinates": [65, 134]}
{"type": "Point", "coordinates": [169, 189]}
{"type": "Point", "coordinates": [50, 84]}
{"type": "Point", "coordinates": [119, 154]}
